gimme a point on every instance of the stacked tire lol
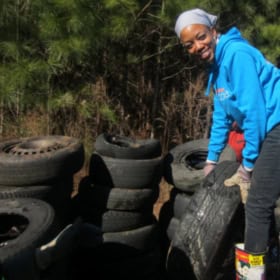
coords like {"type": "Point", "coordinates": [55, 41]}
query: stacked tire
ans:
{"type": "Point", "coordinates": [202, 246]}
{"type": "Point", "coordinates": [36, 182]}
{"type": "Point", "coordinates": [118, 196]}
{"type": "Point", "coordinates": [183, 169]}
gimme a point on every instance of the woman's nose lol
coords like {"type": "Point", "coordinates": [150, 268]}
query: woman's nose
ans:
{"type": "Point", "coordinates": [198, 46]}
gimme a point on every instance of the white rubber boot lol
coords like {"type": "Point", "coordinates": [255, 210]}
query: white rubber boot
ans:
{"type": "Point", "coordinates": [249, 266]}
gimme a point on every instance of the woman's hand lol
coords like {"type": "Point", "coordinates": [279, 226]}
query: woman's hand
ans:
{"type": "Point", "coordinates": [209, 167]}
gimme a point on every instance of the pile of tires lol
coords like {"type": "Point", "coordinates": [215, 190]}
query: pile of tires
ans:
{"type": "Point", "coordinates": [203, 219]}
{"type": "Point", "coordinates": [118, 196]}
{"type": "Point", "coordinates": [202, 243]}
{"type": "Point", "coordinates": [183, 169]}
{"type": "Point", "coordinates": [36, 183]}
{"type": "Point", "coordinates": [183, 164]}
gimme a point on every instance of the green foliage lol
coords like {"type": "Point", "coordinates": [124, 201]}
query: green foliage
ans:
{"type": "Point", "coordinates": [108, 114]}
{"type": "Point", "coordinates": [53, 51]}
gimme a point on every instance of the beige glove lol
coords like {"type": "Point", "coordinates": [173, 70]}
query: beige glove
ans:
{"type": "Point", "coordinates": [242, 178]}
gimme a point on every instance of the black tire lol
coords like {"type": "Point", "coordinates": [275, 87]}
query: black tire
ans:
{"type": "Point", "coordinates": [277, 218]}
{"type": "Point", "coordinates": [122, 147]}
{"type": "Point", "coordinates": [142, 239]}
{"type": "Point", "coordinates": [103, 266]}
{"type": "Point", "coordinates": [26, 191]}
{"type": "Point", "coordinates": [125, 173]}
{"type": "Point", "coordinates": [57, 194]}
{"type": "Point", "coordinates": [116, 221]}
{"type": "Point", "coordinates": [204, 235]}
{"type": "Point", "coordinates": [181, 204]}
{"type": "Point", "coordinates": [110, 220]}
{"type": "Point", "coordinates": [117, 198]}
{"type": "Point", "coordinates": [172, 227]}
{"type": "Point", "coordinates": [164, 218]}
{"type": "Point", "coordinates": [31, 219]}
{"type": "Point", "coordinates": [146, 266]}
{"type": "Point", "coordinates": [183, 165]}
{"type": "Point", "coordinates": [37, 160]}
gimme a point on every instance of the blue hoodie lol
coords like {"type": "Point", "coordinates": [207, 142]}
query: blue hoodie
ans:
{"type": "Point", "coordinates": [246, 90]}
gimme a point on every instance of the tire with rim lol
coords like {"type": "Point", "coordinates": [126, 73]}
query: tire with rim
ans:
{"type": "Point", "coordinates": [206, 231]}
{"type": "Point", "coordinates": [56, 194]}
{"type": "Point", "coordinates": [37, 160]}
{"type": "Point", "coordinates": [183, 165]}
{"type": "Point", "coordinates": [118, 146]}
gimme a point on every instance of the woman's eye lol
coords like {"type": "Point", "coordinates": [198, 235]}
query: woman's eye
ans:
{"type": "Point", "coordinates": [201, 37]}
{"type": "Point", "coordinates": [187, 46]}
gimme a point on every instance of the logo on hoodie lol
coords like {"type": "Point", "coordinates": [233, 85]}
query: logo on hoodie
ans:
{"type": "Point", "coordinates": [222, 94]}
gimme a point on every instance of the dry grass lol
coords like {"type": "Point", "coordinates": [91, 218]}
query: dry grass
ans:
{"type": "Point", "coordinates": [185, 116]}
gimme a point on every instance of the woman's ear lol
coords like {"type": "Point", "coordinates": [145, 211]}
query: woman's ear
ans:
{"type": "Point", "coordinates": [214, 32]}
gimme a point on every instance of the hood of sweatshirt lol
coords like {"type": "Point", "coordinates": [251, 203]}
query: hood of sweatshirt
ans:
{"type": "Point", "coordinates": [233, 35]}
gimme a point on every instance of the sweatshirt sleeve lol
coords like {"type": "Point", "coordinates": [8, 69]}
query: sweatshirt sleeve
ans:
{"type": "Point", "coordinates": [219, 132]}
{"type": "Point", "coordinates": [250, 102]}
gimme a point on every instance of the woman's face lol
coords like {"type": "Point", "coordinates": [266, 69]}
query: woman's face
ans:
{"type": "Point", "coordinates": [199, 40]}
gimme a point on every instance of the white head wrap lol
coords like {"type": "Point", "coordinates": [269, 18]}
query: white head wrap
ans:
{"type": "Point", "coordinates": [194, 16]}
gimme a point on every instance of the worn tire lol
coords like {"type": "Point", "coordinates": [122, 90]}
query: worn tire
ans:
{"type": "Point", "coordinates": [103, 266]}
{"type": "Point", "coordinates": [33, 221]}
{"type": "Point", "coordinates": [125, 173]}
{"type": "Point", "coordinates": [114, 220]}
{"type": "Point", "coordinates": [181, 204]}
{"type": "Point", "coordinates": [206, 231]}
{"type": "Point", "coordinates": [141, 239]}
{"type": "Point", "coordinates": [104, 197]}
{"type": "Point", "coordinates": [27, 191]}
{"type": "Point", "coordinates": [37, 160]}
{"type": "Point", "coordinates": [172, 227]}
{"type": "Point", "coordinates": [118, 146]}
{"type": "Point", "coordinates": [183, 165]}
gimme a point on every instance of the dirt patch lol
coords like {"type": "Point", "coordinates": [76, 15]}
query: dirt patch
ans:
{"type": "Point", "coordinates": [164, 195]}
{"type": "Point", "coordinates": [77, 178]}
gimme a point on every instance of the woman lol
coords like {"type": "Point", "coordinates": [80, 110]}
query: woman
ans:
{"type": "Point", "coordinates": [246, 89]}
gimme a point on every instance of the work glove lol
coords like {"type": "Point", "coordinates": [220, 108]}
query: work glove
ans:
{"type": "Point", "coordinates": [242, 178]}
{"type": "Point", "coordinates": [208, 167]}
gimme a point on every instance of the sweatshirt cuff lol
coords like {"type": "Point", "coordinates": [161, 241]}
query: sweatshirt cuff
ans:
{"type": "Point", "coordinates": [212, 157]}
{"type": "Point", "coordinates": [211, 162]}
{"type": "Point", "coordinates": [248, 165]}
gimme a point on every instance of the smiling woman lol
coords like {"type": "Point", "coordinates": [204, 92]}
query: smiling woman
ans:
{"type": "Point", "coordinates": [199, 40]}
{"type": "Point", "coordinates": [197, 33]}
{"type": "Point", "coordinates": [246, 90]}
